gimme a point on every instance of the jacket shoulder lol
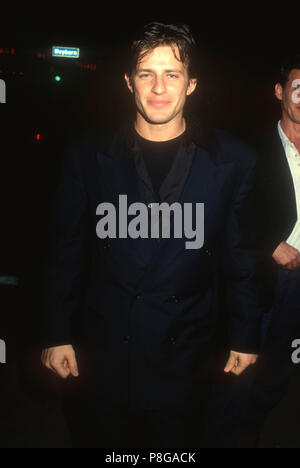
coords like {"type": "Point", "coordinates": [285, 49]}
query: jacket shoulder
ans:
{"type": "Point", "coordinates": [81, 147]}
{"type": "Point", "coordinates": [233, 149]}
{"type": "Point", "coordinates": [89, 140]}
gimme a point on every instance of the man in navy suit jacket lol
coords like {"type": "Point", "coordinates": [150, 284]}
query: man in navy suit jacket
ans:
{"type": "Point", "coordinates": [150, 305]}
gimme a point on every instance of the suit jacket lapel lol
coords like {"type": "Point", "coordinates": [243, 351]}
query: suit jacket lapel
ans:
{"type": "Point", "coordinates": [190, 180]}
{"type": "Point", "coordinates": [119, 176]}
{"type": "Point", "coordinates": [282, 198]}
{"type": "Point", "coordinates": [287, 179]}
{"type": "Point", "coordinates": [199, 180]}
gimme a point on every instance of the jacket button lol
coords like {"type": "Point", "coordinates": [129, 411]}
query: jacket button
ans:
{"type": "Point", "coordinates": [138, 296]}
{"type": "Point", "coordinates": [106, 245]}
{"type": "Point", "coordinates": [208, 252]}
{"type": "Point", "coordinates": [127, 339]}
{"type": "Point", "coordinates": [173, 340]}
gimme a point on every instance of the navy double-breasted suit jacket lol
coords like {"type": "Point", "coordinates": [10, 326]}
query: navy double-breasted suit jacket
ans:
{"type": "Point", "coordinates": [150, 308]}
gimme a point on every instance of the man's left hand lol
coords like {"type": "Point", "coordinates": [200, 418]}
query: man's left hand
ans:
{"type": "Point", "coordinates": [238, 362]}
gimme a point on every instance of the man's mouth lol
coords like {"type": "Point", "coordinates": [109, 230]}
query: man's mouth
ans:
{"type": "Point", "coordinates": [158, 103]}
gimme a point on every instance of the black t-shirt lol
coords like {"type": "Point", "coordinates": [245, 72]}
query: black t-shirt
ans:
{"type": "Point", "coordinates": [158, 157]}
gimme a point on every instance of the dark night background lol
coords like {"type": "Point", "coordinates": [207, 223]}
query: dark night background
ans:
{"type": "Point", "coordinates": [240, 53]}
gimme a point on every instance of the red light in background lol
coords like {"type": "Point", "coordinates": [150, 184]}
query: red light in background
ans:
{"type": "Point", "coordinates": [7, 51]}
{"type": "Point", "coordinates": [37, 136]}
{"type": "Point", "coordinates": [86, 66]}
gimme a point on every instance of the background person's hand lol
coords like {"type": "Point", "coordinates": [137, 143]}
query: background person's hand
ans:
{"type": "Point", "coordinates": [238, 362]}
{"type": "Point", "coordinates": [287, 256]}
{"type": "Point", "coordinates": [61, 360]}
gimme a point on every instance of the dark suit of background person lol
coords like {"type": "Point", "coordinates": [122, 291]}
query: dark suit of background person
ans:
{"type": "Point", "coordinates": [243, 407]}
{"type": "Point", "coordinates": [149, 309]}
{"type": "Point", "coordinates": [281, 325]}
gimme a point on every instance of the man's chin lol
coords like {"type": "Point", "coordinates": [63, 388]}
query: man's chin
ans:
{"type": "Point", "coordinates": [157, 120]}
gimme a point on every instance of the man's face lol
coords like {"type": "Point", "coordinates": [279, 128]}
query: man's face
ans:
{"type": "Point", "coordinates": [160, 85]}
{"type": "Point", "coordinates": [289, 96]}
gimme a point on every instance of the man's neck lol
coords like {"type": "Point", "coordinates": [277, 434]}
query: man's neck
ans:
{"type": "Point", "coordinates": [157, 132]}
{"type": "Point", "coordinates": [292, 131]}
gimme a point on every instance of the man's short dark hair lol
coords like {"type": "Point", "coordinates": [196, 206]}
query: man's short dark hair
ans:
{"type": "Point", "coordinates": [158, 34]}
{"type": "Point", "coordinates": [289, 64]}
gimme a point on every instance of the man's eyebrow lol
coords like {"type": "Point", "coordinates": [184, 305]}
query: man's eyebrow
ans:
{"type": "Point", "coordinates": [174, 71]}
{"type": "Point", "coordinates": [144, 70]}
{"type": "Point", "coordinates": [139, 70]}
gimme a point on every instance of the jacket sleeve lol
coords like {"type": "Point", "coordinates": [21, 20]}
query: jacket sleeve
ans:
{"type": "Point", "coordinates": [244, 261]}
{"type": "Point", "coordinates": [66, 252]}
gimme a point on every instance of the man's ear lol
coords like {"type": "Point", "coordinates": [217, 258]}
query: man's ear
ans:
{"type": "Point", "coordinates": [192, 86]}
{"type": "Point", "coordinates": [278, 91]}
{"type": "Point", "coordinates": [128, 82]}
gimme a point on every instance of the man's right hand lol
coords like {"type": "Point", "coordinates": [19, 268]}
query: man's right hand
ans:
{"type": "Point", "coordinates": [287, 256]}
{"type": "Point", "coordinates": [61, 360]}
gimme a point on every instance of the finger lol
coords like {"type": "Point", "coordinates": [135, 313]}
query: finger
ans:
{"type": "Point", "coordinates": [239, 369]}
{"type": "Point", "coordinates": [231, 363]}
{"type": "Point", "coordinates": [292, 266]}
{"type": "Point", "coordinates": [63, 373]}
{"type": "Point", "coordinates": [44, 357]}
{"type": "Point", "coordinates": [245, 363]}
{"type": "Point", "coordinates": [73, 367]}
{"type": "Point", "coordinates": [296, 263]}
{"type": "Point", "coordinates": [61, 368]}
{"type": "Point", "coordinates": [288, 266]}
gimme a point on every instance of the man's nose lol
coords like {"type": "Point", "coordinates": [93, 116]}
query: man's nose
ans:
{"type": "Point", "coordinates": [159, 86]}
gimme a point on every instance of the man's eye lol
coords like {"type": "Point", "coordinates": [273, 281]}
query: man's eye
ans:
{"type": "Point", "coordinates": [171, 75]}
{"type": "Point", "coordinates": [144, 75]}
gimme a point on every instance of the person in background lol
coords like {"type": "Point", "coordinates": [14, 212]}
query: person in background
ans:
{"type": "Point", "coordinates": [244, 407]}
